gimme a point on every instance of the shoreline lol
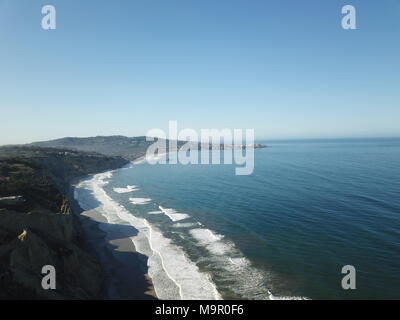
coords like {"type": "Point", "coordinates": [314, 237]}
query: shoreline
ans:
{"type": "Point", "coordinates": [125, 270]}
{"type": "Point", "coordinates": [174, 273]}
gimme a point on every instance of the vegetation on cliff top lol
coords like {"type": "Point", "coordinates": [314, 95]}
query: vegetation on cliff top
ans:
{"type": "Point", "coordinates": [36, 227]}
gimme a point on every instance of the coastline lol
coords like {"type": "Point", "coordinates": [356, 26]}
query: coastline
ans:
{"type": "Point", "coordinates": [124, 269]}
{"type": "Point", "coordinates": [172, 273]}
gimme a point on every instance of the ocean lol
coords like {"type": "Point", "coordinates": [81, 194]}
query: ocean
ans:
{"type": "Point", "coordinates": [284, 232]}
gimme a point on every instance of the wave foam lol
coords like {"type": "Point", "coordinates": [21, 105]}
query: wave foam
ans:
{"type": "Point", "coordinates": [174, 276]}
{"type": "Point", "coordinates": [140, 201]}
{"type": "Point", "coordinates": [211, 241]}
{"type": "Point", "coordinates": [125, 190]}
{"type": "Point", "coordinates": [173, 215]}
{"type": "Point", "coordinates": [155, 212]}
{"type": "Point", "coordinates": [184, 225]}
{"type": "Point", "coordinates": [233, 268]}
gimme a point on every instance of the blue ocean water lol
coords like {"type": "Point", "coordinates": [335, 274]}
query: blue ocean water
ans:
{"type": "Point", "coordinates": [309, 208]}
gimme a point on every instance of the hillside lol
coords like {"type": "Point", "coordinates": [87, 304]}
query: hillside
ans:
{"type": "Point", "coordinates": [37, 227]}
{"type": "Point", "coordinates": [128, 148]}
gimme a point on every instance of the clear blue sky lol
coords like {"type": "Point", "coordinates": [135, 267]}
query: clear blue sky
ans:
{"type": "Point", "coordinates": [285, 68]}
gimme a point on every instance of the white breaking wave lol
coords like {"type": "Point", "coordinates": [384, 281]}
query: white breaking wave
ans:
{"type": "Point", "coordinates": [174, 276]}
{"type": "Point", "coordinates": [173, 215]}
{"type": "Point", "coordinates": [155, 212]}
{"type": "Point", "coordinates": [140, 201]}
{"type": "Point", "coordinates": [205, 236]}
{"type": "Point", "coordinates": [125, 190]}
{"type": "Point", "coordinates": [184, 225]}
{"type": "Point", "coordinates": [240, 261]}
{"type": "Point", "coordinates": [211, 241]}
{"type": "Point", "coordinates": [247, 281]}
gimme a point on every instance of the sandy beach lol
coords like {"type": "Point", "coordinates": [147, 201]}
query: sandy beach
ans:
{"type": "Point", "coordinates": [125, 269]}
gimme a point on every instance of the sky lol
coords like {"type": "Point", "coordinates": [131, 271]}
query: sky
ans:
{"type": "Point", "coordinates": [286, 68]}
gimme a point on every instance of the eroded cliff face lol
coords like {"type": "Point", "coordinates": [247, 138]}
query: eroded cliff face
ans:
{"type": "Point", "coordinates": [38, 228]}
{"type": "Point", "coordinates": [32, 240]}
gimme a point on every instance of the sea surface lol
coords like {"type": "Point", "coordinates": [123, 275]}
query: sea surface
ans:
{"type": "Point", "coordinates": [284, 232]}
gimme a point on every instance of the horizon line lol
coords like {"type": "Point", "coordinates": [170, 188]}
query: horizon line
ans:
{"type": "Point", "coordinates": [256, 140]}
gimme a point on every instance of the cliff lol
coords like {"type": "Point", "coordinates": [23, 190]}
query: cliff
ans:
{"type": "Point", "coordinates": [37, 227]}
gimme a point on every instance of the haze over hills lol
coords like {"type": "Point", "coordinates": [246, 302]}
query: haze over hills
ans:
{"type": "Point", "coordinates": [129, 148]}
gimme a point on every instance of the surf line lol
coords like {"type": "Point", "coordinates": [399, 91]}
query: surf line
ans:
{"type": "Point", "coordinates": [147, 225]}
